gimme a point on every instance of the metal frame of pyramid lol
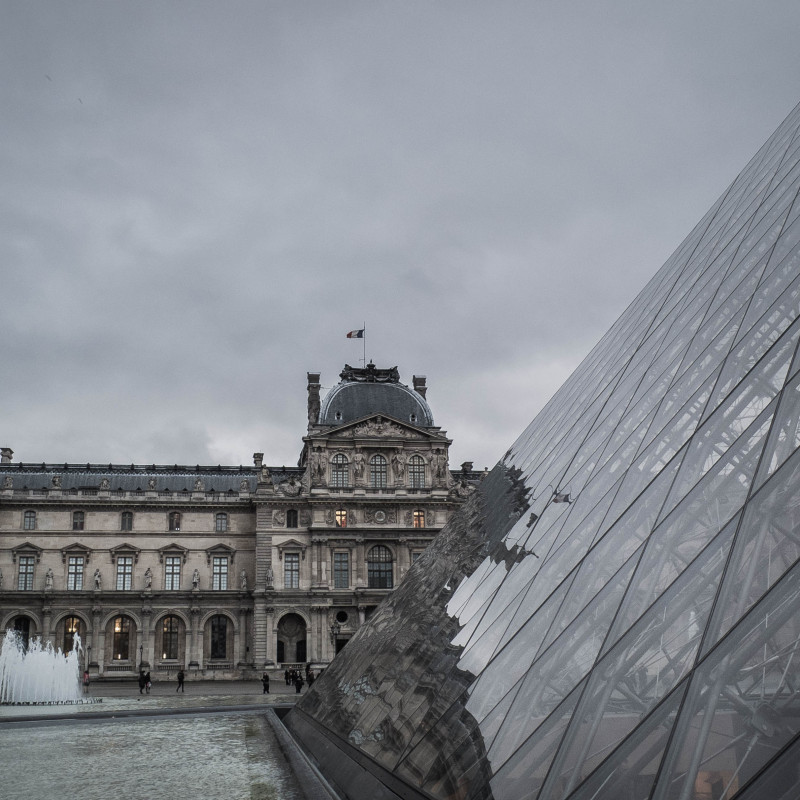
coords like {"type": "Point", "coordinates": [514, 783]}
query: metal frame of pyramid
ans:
{"type": "Point", "coordinates": [616, 612]}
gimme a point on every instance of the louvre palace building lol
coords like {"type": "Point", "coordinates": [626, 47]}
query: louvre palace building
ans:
{"type": "Point", "coordinates": [225, 570]}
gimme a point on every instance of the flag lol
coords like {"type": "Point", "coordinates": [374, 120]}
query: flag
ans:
{"type": "Point", "coordinates": [356, 334]}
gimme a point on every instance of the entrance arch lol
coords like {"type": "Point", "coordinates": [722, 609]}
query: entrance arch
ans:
{"type": "Point", "coordinates": [292, 639]}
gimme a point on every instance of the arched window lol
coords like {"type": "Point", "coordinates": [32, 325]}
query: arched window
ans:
{"type": "Point", "coordinates": [340, 474]}
{"type": "Point", "coordinates": [170, 627]}
{"type": "Point", "coordinates": [126, 521]}
{"type": "Point", "coordinates": [379, 568]}
{"type": "Point", "coordinates": [219, 636]}
{"type": "Point", "coordinates": [221, 522]}
{"type": "Point", "coordinates": [29, 521]}
{"type": "Point", "coordinates": [174, 521]}
{"type": "Point", "coordinates": [377, 472]}
{"type": "Point", "coordinates": [122, 637]}
{"type": "Point", "coordinates": [291, 518]}
{"type": "Point", "coordinates": [416, 472]}
{"type": "Point", "coordinates": [72, 625]}
{"type": "Point", "coordinates": [419, 518]}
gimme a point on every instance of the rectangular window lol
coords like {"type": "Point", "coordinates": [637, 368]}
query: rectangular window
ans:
{"type": "Point", "coordinates": [291, 571]}
{"type": "Point", "coordinates": [340, 516]}
{"type": "Point", "coordinates": [415, 557]}
{"type": "Point", "coordinates": [29, 521]}
{"type": "Point", "coordinates": [126, 521]}
{"type": "Point", "coordinates": [172, 573]}
{"type": "Point", "coordinates": [291, 518]}
{"type": "Point", "coordinates": [221, 523]}
{"type": "Point", "coordinates": [419, 519]}
{"type": "Point", "coordinates": [124, 573]}
{"type": "Point", "coordinates": [219, 575]}
{"type": "Point", "coordinates": [25, 582]}
{"type": "Point", "coordinates": [75, 573]}
{"type": "Point", "coordinates": [341, 570]}
{"type": "Point", "coordinates": [78, 518]}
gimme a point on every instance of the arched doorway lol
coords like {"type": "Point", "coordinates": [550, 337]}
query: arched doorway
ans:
{"type": "Point", "coordinates": [292, 639]}
{"type": "Point", "coordinates": [22, 625]}
{"type": "Point", "coordinates": [121, 643]}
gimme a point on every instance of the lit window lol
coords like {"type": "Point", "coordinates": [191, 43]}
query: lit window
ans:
{"type": "Point", "coordinates": [291, 518]}
{"type": "Point", "coordinates": [29, 521]}
{"type": "Point", "coordinates": [219, 574]}
{"type": "Point", "coordinates": [340, 517]}
{"type": "Point", "coordinates": [341, 570]}
{"type": "Point", "coordinates": [78, 519]}
{"type": "Point", "coordinates": [340, 475]}
{"type": "Point", "coordinates": [221, 522]}
{"type": "Point", "coordinates": [416, 472]}
{"type": "Point", "coordinates": [172, 573]}
{"type": "Point", "coordinates": [379, 568]}
{"type": "Point", "coordinates": [377, 472]}
{"type": "Point", "coordinates": [75, 573]}
{"type": "Point", "coordinates": [126, 521]}
{"type": "Point", "coordinates": [71, 627]}
{"type": "Point", "coordinates": [174, 521]}
{"type": "Point", "coordinates": [122, 633]}
{"type": "Point", "coordinates": [419, 519]}
{"type": "Point", "coordinates": [25, 580]}
{"type": "Point", "coordinates": [219, 636]}
{"type": "Point", "coordinates": [169, 638]}
{"type": "Point", "coordinates": [124, 573]}
{"type": "Point", "coordinates": [291, 571]}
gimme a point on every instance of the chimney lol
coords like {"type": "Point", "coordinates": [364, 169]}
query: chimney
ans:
{"type": "Point", "coordinates": [420, 386]}
{"type": "Point", "coordinates": [5, 455]}
{"type": "Point", "coordinates": [313, 398]}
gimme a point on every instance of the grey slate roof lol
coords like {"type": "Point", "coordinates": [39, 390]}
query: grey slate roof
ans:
{"type": "Point", "coordinates": [352, 400]}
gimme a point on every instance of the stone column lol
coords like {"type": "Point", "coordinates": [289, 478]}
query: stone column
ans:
{"type": "Point", "coordinates": [361, 564]}
{"type": "Point", "coordinates": [269, 641]}
{"type": "Point", "coordinates": [147, 636]}
{"type": "Point", "coordinates": [46, 620]}
{"type": "Point", "coordinates": [243, 654]}
{"type": "Point", "coordinates": [95, 639]}
{"type": "Point", "coordinates": [194, 661]}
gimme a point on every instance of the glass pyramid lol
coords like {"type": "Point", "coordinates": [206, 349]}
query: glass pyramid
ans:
{"type": "Point", "coordinates": [615, 613]}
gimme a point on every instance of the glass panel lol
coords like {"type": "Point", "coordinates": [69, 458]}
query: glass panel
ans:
{"type": "Point", "coordinates": [767, 544]}
{"type": "Point", "coordinates": [630, 771]}
{"type": "Point", "coordinates": [647, 663]}
{"type": "Point", "coordinates": [784, 438]}
{"type": "Point", "coordinates": [743, 701]}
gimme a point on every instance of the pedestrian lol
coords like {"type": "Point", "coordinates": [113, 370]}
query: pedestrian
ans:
{"type": "Point", "coordinates": [147, 683]}
{"type": "Point", "coordinates": [142, 681]}
{"type": "Point", "coordinates": [86, 681]}
{"type": "Point", "coordinates": [298, 683]}
{"type": "Point", "coordinates": [265, 682]}
{"type": "Point", "coordinates": [310, 677]}
{"type": "Point", "coordinates": [181, 676]}
{"type": "Point", "coordinates": [286, 676]}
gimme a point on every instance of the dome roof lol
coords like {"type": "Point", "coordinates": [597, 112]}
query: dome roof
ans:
{"type": "Point", "coordinates": [368, 391]}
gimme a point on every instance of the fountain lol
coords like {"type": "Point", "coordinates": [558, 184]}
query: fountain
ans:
{"type": "Point", "coordinates": [39, 674]}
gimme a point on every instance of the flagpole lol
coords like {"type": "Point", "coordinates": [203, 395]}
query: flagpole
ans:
{"type": "Point", "coordinates": [364, 360]}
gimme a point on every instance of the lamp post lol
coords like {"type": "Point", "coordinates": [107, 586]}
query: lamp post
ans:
{"type": "Point", "coordinates": [88, 656]}
{"type": "Point", "coordinates": [141, 658]}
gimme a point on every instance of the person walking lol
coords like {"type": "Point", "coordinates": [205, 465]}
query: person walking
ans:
{"type": "Point", "coordinates": [181, 677]}
{"type": "Point", "coordinates": [147, 683]}
{"type": "Point", "coordinates": [286, 676]}
{"type": "Point", "coordinates": [142, 681]}
{"type": "Point", "coordinates": [265, 683]}
{"type": "Point", "coordinates": [298, 683]}
{"type": "Point", "coordinates": [86, 681]}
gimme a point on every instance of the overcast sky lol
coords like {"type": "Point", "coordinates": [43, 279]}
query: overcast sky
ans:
{"type": "Point", "coordinates": [200, 199]}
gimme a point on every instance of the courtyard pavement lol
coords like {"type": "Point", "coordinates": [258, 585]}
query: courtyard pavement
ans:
{"type": "Point", "coordinates": [122, 699]}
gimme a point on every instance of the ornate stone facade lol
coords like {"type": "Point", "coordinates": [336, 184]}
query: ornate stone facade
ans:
{"type": "Point", "coordinates": [222, 571]}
